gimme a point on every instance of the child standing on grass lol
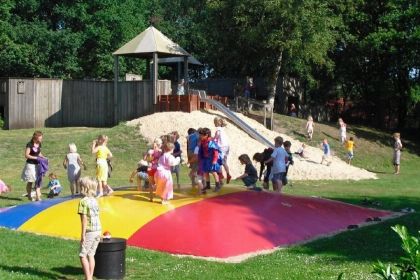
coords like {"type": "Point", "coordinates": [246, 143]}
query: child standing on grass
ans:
{"type": "Point", "coordinates": [54, 185]}
{"type": "Point", "coordinates": [250, 175]}
{"type": "Point", "coordinates": [310, 127]}
{"type": "Point", "coordinates": [177, 154]}
{"type": "Point", "coordinates": [209, 158]}
{"type": "Point", "coordinates": [4, 188]}
{"type": "Point", "coordinates": [72, 163]}
{"type": "Point", "coordinates": [102, 154]}
{"type": "Point", "coordinates": [278, 157]}
{"type": "Point", "coordinates": [326, 152]}
{"type": "Point", "coordinates": [349, 144]}
{"type": "Point", "coordinates": [91, 225]}
{"type": "Point", "coordinates": [222, 141]}
{"type": "Point", "coordinates": [397, 152]}
{"type": "Point", "coordinates": [163, 176]}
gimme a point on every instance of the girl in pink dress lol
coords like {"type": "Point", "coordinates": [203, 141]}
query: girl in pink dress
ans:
{"type": "Point", "coordinates": [163, 176]}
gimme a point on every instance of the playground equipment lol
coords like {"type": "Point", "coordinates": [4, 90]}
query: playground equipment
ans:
{"type": "Point", "coordinates": [236, 120]}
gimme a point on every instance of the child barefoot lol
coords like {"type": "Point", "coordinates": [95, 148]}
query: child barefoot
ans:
{"type": "Point", "coordinates": [91, 225]}
{"type": "Point", "coordinates": [163, 176]}
{"type": "Point", "coordinates": [222, 141]}
{"type": "Point", "coordinates": [152, 157]}
{"type": "Point", "coordinates": [349, 147]}
{"type": "Point", "coordinates": [278, 157]}
{"type": "Point", "coordinates": [72, 163]}
{"type": "Point", "coordinates": [102, 154]}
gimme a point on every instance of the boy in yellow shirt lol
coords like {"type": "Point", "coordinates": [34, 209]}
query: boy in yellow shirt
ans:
{"type": "Point", "coordinates": [349, 144]}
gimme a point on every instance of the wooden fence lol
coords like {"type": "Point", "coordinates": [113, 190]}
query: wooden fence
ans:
{"type": "Point", "coordinates": [31, 103]}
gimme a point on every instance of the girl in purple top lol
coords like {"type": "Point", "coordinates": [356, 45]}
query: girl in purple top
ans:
{"type": "Point", "coordinates": [29, 173]}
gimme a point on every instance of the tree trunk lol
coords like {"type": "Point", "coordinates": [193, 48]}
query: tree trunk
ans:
{"type": "Point", "coordinates": [272, 79]}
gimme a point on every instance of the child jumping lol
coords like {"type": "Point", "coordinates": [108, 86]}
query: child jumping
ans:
{"type": "Point", "coordinates": [72, 163]}
{"type": "Point", "coordinates": [102, 154]}
{"type": "Point", "coordinates": [163, 176]}
{"type": "Point", "coordinates": [91, 225]}
{"type": "Point", "coordinates": [209, 158]}
{"type": "Point", "coordinates": [278, 157]}
{"type": "Point", "coordinates": [222, 141]}
{"type": "Point", "coordinates": [54, 185]}
{"type": "Point", "coordinates": [250, 175]}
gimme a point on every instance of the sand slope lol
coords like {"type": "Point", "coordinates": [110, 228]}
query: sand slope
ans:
{"type": "Point", "coordinates": [152, 126]}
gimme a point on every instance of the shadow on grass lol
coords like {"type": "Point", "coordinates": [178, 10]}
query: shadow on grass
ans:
{"type": "Point", "coordinates": [32, 271]}
{"type": "Point", "coordinates": [68, 270]}
{"type": "Point", "coordinates": [10, 198]}
{"type": "Point", "coordinates": [366, 244]}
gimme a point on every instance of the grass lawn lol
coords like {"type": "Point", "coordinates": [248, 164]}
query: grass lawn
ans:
{"type": "Point", "coordinates": [29, 256]}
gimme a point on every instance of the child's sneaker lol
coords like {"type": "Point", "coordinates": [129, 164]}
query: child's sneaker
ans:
{"type": "Point", "coordinates": [228, 178]}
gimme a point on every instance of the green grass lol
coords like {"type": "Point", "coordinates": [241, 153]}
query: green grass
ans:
{"type": "Point", "coordinates": [28, 256]}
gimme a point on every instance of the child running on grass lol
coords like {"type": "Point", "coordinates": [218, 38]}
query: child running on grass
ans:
{"type": "Point", "coordinates": [349, 144]}
{"type": "Point", "coordinates": [102, 154]}
{"type": "Point", "coordinates": [278, 157]}
{"type": "Point", "coordinates": [91, 226]}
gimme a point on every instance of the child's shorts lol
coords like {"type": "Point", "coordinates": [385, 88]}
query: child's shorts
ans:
{"type": "Point", "coordinates": [175, 169]}
{"type": "Point", "coordinates": [143, 175]}
{"type": "Point", "coordinates": [278, 177]}
{"type": "Point", "coordinates": [350, 155]}
{"type": "Point", "coordinates": [89, 245]}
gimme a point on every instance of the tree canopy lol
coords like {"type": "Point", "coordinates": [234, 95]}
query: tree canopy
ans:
{"type": "Point", "coordinates": [364, 51]}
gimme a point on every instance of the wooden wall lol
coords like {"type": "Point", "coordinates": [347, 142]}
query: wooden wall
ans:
{"type": "Point", "coordinates": [57, 103]}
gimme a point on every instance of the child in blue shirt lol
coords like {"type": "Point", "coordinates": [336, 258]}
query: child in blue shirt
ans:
{"type": "Point", "coordinates": [327, 152]}
{"type": "Point", "coordinates": [278, 157]}
{"type": "Point", "coordinates": [53, 185]}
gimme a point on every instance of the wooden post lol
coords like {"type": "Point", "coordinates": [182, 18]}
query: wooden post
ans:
{"type": "Point", "coordinates": [155, 76]}
{"type": "Point", "coordinates": [186, 81]}
{"type": "Point", "coordinates": [116, 74]}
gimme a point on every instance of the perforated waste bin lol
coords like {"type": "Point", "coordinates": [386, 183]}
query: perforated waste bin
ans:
{"type": "Point", "coordinates": [110, 259]}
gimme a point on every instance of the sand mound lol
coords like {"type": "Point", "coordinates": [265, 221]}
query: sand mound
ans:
{"type": "Point", "coordinates": [152, 126]}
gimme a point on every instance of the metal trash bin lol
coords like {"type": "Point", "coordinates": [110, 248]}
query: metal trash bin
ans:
{"type": "Point", "coordinates": [110, 259]}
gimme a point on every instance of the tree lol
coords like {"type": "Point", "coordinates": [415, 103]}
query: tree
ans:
{"type": "Point", "coordinates": [270, 37]}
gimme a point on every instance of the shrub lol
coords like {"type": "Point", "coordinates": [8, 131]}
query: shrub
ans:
{"type": "Point", "coordinates": [409, 266]}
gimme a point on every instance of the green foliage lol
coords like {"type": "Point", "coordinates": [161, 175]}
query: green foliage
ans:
{"type": "Point", "coordinates": [409, 266]}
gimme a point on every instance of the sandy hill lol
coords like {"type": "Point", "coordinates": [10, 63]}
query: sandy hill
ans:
{"type": "Point", "coordinates": [155, 125]}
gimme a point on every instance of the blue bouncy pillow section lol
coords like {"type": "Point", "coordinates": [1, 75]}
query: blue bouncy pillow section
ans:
{"type": "Point", "coordinates": [14, 217]}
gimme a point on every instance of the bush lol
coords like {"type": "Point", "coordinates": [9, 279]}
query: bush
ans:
{"type": "Point", "coordinates": [409, 266]}
{"type": "Point", "coordinates": [1, 122]}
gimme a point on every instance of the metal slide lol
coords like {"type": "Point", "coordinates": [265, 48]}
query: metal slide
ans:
{"type": "Point", "coordinates": [239, 122]}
